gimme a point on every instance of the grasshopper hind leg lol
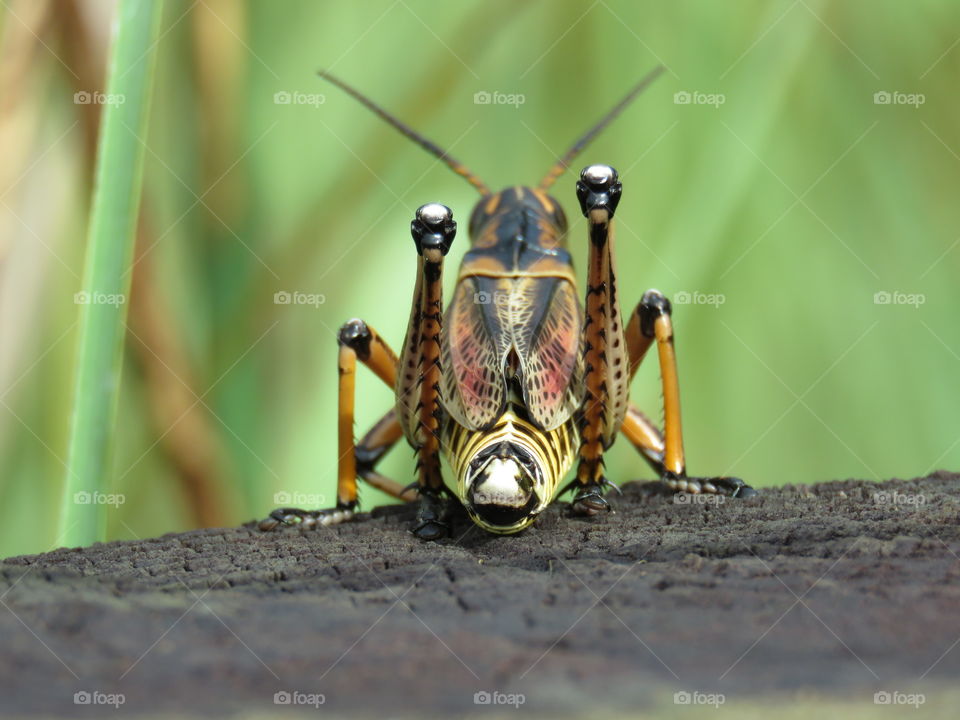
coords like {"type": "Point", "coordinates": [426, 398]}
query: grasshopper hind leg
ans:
{"type": "Point", "coordinates": [358, 341]}
{"type": "Point", "coordinates": [651, 323]}
{"type": "Point", "coordinates": [306, 518]}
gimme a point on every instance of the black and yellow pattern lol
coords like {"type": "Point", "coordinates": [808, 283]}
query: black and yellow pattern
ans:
{"type": "Point", "coordinates": [517, 378]}
{"type": "Point", "coordinates": [553, 451]}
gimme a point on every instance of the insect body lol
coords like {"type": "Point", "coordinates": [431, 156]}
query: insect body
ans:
{"type": "Point", "coordinates": [512, 362]}
{"type": "Point", "coordinates": [517, 380]}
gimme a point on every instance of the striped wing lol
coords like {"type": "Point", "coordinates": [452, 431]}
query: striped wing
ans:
{"type": "Point", "coordinates": [476, 342]}
{"type": "Point", "coordinates": [496, 326]}
{"type": "Point", "coordinates": [546, 328]}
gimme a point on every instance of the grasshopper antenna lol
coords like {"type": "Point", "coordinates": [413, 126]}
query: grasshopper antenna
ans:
{"type": "Point", "coordinates": [563, 163]}
{"type": "Point", "coordinates": [435, 150]}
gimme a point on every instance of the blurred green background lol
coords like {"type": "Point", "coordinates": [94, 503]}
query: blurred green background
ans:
{"type": "Point", "coordinates": [786, 187]}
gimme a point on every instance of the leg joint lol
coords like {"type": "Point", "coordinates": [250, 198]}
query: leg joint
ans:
{"type": "Point", "coordinates": [652, 306]}
{"type": "Point", "coordinates": [598, 188]}
{"type": "Point", "coordinates": [367, 458]}
{"type": "Point", "coordinates": [355, 335]}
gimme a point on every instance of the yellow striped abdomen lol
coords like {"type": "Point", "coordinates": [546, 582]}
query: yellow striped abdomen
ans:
{"type": "Point", "coordinates": [508, 474]}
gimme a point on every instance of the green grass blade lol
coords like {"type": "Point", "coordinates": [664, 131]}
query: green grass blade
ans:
{"type": "Point", "coordinates": [106, 280]}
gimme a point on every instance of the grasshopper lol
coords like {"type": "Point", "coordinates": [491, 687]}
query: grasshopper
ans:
{"type": "Point", "coordinates": [517, 380]}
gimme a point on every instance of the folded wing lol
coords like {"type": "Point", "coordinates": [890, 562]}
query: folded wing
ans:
{"type": "Point", "coordinates": [498, 328]}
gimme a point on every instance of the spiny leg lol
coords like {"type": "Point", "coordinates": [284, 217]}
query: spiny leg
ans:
{"type": "Point", "coordinates": [652, 322]}
{"type": "Point", "coordinates": [372, 447]}
{"type": "Point", "coordinates": [637, 427]}
{"type": "Point", "coordinates": [369, 451]}
{"type": "Point", "coordinates": [606, 360]}
{"type": "Point", "coordinates": [357, 340]}
{"type": "Point", "coordinates": [418, 387]}
{"type": "Point", "coordinates": [648, 440]}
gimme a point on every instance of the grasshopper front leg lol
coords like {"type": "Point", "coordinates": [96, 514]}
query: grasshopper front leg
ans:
{"type": "Point", "coordinates": [418, 383]}
{"type": "Point", "coordinates": [605, 353]}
